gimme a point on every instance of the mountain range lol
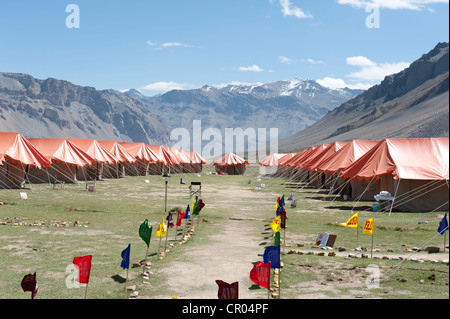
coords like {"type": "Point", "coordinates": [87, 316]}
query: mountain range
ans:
{"type": "Point", "coordinates": [413, 103]}
{"type": "Point", "coordinates": [57, 108]}
{"type": "Point", "coordinates": [290, 105]}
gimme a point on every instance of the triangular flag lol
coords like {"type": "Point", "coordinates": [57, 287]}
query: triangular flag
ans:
{"type": "Point", "coordinates": [443, 225]}
{"type": "Point", "coordinates": [162, 229]}
{"type": "Point", "coordinates": [227, 291]}
{"type": "Point", "coordinates": [272, 255]}
{"type": "Point", "coordinates": [182, 182]}
{"type": "Point", "coordinates": [29, 284]}
{"type": "Point", "coordinates": [260, 274]}
{"type": "Point", "coordinates": [145, 232]}
{"type": "Point", "coordinates": [352, 222]}
{"type": "Point", "coordinates": [275, 224]}
{"type": "Point", "coordinates": [368, 227]}
{"type": "Point", "coordinates": [83, 264]}
{"type": "Point", "coordinates": [125, 264]}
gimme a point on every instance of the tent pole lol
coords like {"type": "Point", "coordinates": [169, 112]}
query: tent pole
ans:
{"type": "Point", "coordinates": [393, 200]}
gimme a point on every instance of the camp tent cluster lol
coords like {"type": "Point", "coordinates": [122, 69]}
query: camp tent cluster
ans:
{"type": "Point", "coordinates": [411, 174]}
{"type": "Point", "coordinates": [49, 160]}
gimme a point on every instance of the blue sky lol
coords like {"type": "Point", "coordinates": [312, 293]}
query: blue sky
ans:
{"type": "Point", "coordinates": [155, 46]}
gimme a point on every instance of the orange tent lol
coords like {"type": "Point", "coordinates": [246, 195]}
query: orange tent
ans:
{"type": "Point", "coordinates": [231, 164]}
{"type": "Point", "coordinates": [65, 157]}
{"type": "Point", "coordinates": [271, 163]}
{"type": "Point", "coordinates": [297, 162]}
{"type": "Point", "coordinates": [124, 159]}
{"type": "Point", "coordinates": [148, 160]}
{"type": "Point", "coordinates": [271, 160]}
{"type": "Point", "coordinates": [346, 156]}
{"type": "Point", "coordinates": [316, 178]}
{"type": "Point", "coordinates": [343, 158]}
{"type": "Point", "coordinates": [16, 153]}
{"type": "Point", "coordinates": [102, 156]}
{"type": "Point", "coordinates": [15, 148]}
{"type": "Point", "coordinates": [414, 171]}
{"type": "Point", "coordinates": [197, 162]}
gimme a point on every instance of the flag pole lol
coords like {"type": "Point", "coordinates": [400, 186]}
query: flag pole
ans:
{"type": "Point", "coordinates": [159, 247]}
{"type": "Point", "coordinates": [371, 251]}
{"type": "Point", "coordinates": [356, 236]}
{"type": "Point", "coordinates": [145, 262]}
{"type": "Point", "coordinates": [126, 281]}
{"type": "Point", "coordinates": [167, 236]}
{"type": "Point", "coordinates": [85, 292]}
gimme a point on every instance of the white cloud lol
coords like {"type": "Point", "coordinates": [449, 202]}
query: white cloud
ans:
{"type": "Point", "coordinates": [253, 68]}
{"type": "Point", "coordinates": [334, 83]}
{"type": "Point", "coordinates": [175, 44]}
{"type": "Point", "coordinates": [369, 73]}
{"type": "Point", "coordinates": [168, 45]}
{"type": "Point", "coordinates": [285, 60]}
{"type": "Point", "coordinates": [289, 10]}
{"type": "Point", "coordinates": [312, 61]}
{"type": "Point", "coordinates": [166, 86]}
{"type": "Point", "coordinates": [392, 4]}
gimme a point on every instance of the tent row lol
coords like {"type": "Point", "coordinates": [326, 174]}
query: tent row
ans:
{"type": "Point", "coordinates": [68, 160]}
{"type": "Point", "coordinates": [410, 174]}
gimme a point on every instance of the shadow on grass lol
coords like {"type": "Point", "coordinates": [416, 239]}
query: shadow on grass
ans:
{"type": "Point", "coordinates": [118, 279]}
{"type": "Point", "coordinates": [357, 208]}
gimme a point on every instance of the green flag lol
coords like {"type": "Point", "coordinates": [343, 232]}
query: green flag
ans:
{"type": "Point", "coordinates": [277, 240]}
{"type": "Point", "coordinates": [145, 232]}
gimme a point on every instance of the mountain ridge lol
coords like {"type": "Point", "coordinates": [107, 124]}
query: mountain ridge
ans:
{"type": "Point", "coordinates": [411, 103]}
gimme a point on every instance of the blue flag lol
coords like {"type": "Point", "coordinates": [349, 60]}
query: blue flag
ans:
{"type": "Point", "coordinates": [126, 258]}
{"type": "Point", "coordinates": [272, 255]}
{"type": "Point", "coordinates": [443, 225]}
{"type": "Point", "coordinates": [187, 213]}
{"type": "Point", "coordinates": [182, 182]}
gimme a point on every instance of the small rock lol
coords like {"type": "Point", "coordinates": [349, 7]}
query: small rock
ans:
{"type": "Point", "coordinates": [136, 265]}
{"type": "Point", "coordinates": [432, 277]}
{"type": "Point", "coordinates": [131, 287]}
{"type": "Point", "coordinates": [134, 294]}
{"type": "Point", "coordinates": [422, 281]}
{"type": "Point", "coordinates": [403, 280]}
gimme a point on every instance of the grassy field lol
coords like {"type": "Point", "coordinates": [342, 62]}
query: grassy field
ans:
{"type": "Point", "coordinates": [45, 232]}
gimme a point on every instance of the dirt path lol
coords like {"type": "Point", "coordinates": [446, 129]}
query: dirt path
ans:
{"type": "Point", "coordinates": [226, 255]}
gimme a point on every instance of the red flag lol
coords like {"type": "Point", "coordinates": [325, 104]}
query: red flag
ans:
{"type": "Point", "coordinates": [29, 284]}
{"type": "Point", "coordinates": [283, 218]}
{"type": "Point", "coordinates": [180, 217]}
{"type": "Point", "coordinates": [228, 291]}
{"type": "Point", "coordinates": [169, 220]}
{"type": "Point", "coordinates": [260, 274]}
{"type": "Point", "coordinates": [83, 265]}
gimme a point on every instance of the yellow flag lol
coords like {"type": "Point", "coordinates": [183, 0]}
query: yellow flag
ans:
{"type": "Point", "coordinates": [352, 222]}
{"type": "Point", "coordinates": [276, 206]}
{"type": "Point", "coordinates": [162, 230]}
{"type": "Point", "coordinates": [276, 224]}
{"type": "Point", "coordinates": [368, 227]}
